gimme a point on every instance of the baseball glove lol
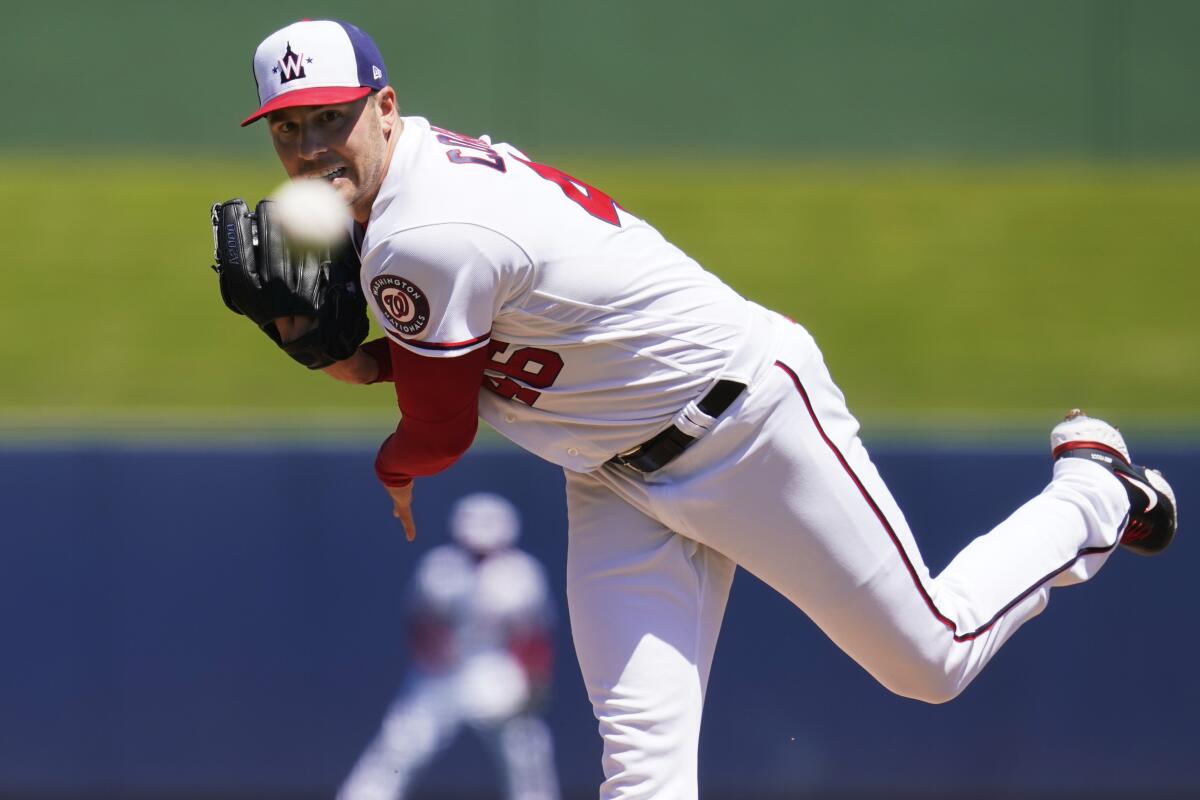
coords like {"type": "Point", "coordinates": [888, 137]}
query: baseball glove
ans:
{"type": "Point", "coordinates": [264, 276]}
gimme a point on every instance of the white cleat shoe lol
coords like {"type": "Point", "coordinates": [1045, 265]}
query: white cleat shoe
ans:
{"type": "Point", "coordinates": [1152, 511]}
{"type": "Point", "coordinates": [1078, 426]}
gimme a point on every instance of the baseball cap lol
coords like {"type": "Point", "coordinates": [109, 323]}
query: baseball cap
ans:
{"type": "Point", "coordinates": [315, 62]}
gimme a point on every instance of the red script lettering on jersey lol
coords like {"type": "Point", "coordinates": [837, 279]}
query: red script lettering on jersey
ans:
{"type": "Point", "coordinates": [532, 366]}
{"type": "Point", "coordinates": [589, 198]}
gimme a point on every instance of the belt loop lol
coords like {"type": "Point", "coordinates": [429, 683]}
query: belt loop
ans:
{"type": "Point", "coordinates": [692, 422]}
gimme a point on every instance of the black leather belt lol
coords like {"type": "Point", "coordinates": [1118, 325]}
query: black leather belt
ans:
{"type": "Point", "coordinates": [661, 449]}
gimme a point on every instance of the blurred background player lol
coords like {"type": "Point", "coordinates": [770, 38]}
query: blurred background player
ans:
{"type": "Point", "coordinates": [481, 656]}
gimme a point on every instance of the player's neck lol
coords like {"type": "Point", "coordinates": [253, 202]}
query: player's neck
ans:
{"type": "Point", "coordinates": [362, 211]}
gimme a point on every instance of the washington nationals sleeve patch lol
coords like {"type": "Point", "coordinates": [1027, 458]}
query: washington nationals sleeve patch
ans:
{"type": "Point", "coordinates": [402, 303]}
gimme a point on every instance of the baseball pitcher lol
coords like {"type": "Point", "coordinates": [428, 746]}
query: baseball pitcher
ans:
{"type": "Point", "coordinates": [697, 431]}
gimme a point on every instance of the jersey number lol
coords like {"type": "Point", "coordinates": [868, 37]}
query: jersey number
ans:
{"type": "Point", "coordinates": [532, 366]}
{"type": "Point", "coordinates": [589, 198]}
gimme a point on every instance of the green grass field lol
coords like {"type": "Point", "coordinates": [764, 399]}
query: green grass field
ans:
{"type": "Point", "coordinates": [983, 295]}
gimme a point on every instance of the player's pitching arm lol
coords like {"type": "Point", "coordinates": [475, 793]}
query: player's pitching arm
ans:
{"type": "Point", "coordinates": [439, 407]}
{"type": "Point", "coordinates": [372, 363]}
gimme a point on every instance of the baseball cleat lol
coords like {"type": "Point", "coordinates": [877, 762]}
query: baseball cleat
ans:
{"type": "Point", "coordinates": [1152, 516]}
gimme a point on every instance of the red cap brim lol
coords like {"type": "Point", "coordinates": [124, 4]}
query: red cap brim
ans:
{"type": "Point", "coordinates": [316, 96]}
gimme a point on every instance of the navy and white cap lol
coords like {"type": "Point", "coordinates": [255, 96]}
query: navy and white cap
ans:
{"type": "Point", "coordinates": [315, 62]}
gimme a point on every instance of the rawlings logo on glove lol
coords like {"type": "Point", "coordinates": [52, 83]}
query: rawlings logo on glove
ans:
{"type": "Point", "coordinates": [265, 277]}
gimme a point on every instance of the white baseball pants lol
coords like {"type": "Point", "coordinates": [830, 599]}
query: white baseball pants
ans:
{"type": "Point", "coordinates": [783, 487]}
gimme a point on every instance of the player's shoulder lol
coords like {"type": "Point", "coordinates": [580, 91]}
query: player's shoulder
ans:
{"type": "Point", "coordinates": [427, 212]}
{"type": "Point", "coordinates": [413, 274]}
{"type": "Point", "coordinates": [436, 242]}
{"type": "Point", "coordinates": [438, 173]}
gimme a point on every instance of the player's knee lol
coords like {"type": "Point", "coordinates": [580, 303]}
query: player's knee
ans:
{"type": "Point", "coordinates": [929, 680]}
{"type": "Point", "coordinates": [933, 686]}
{"type": "Point", "coordinates": [936, 694]}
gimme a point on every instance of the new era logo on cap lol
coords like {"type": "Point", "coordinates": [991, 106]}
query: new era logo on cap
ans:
{"type": "Point", "coordinates": [315, 62]}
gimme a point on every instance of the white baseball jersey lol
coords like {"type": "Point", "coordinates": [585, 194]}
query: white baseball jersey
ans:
{"type": "Point", "coordinates": [473, 245]}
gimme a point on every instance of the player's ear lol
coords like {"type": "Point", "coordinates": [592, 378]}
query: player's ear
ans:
{"type": "Point", "coordinates": [387, 107]}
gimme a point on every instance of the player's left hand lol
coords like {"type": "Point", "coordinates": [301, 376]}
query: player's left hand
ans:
{"type": "Point", "coordinates": [307, 300]}
{"type": "Point", "coordinates": [292, 328]}
{"type": "Point", "coordinates": [402, 508]}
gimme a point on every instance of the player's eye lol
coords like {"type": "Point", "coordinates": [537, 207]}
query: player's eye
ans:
{"type": "Point", "coordinates": [330, 115]}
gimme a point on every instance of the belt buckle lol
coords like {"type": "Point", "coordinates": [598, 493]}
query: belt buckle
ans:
{"type": "Point", "coordinates": [630, 453]}
{"type": "Point", "coordinates": [625, 458]}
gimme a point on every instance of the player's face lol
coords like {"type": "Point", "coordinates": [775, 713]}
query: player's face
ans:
{"type": "Point", "coordinates": [345, 144]}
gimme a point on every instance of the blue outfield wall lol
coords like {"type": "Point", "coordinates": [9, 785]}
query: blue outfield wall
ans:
{"type": "Point", "coordinates": [225, 623]}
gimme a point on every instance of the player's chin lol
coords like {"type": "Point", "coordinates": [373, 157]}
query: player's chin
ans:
{"type": "Point", "coordinates": [346, 188]}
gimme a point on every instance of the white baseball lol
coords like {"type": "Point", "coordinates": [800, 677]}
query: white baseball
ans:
{"type": "Point", "coordinates": [311, 211]}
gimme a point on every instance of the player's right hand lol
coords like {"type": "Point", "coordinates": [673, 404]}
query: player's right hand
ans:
{"type": "Point", "coordinates": [402, 508]}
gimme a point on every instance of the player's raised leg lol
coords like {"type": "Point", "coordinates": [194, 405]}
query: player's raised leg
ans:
{"type": "Point", "coordinates": [827, 534]}
{"type": "Point", "coordinates": [646, 606]}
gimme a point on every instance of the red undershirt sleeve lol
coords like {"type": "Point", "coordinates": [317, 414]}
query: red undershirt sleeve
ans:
{"type": "Point", "coordinates": [439, 404]}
